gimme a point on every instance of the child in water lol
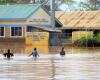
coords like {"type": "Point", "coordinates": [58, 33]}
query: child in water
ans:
{"type": "Point", "coordinates": [62, 52]}
{"type": "Point", "coordinates": [34, 54]}
{"type": "Point", "coordinates": [8, 55]}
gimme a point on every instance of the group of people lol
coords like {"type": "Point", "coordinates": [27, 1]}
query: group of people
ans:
{"type": "Point", "coordinates": [34, 53]}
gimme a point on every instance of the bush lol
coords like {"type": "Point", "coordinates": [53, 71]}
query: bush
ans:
{"type": "Point", "coordinates": [88, 41]}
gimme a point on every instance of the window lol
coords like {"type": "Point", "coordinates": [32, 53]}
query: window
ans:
{"type": "Point", "coordinates": [1, 31]}
{"type": "Point", "coordinates": [16, 31]}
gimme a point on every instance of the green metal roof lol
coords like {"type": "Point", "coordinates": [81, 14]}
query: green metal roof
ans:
{"type": "Point", "coordinates": [18, 11]}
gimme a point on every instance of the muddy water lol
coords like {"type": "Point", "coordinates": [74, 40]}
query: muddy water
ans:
{"type": "Point", "coordinates": [53, 67]}
{"type": "Point", "coordinates": [48, 49]}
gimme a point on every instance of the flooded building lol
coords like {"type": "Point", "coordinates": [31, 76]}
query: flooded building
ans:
{"type": "Point", "coordinates": [77, 24]}
{"type": "Point", "coordinates": [24, 25]}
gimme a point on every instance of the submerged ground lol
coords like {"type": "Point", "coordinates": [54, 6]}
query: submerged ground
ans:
{"type": "Point", "coordinates": [74, 66]}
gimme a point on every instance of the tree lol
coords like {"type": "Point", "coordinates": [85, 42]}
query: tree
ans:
{"type": "Point", "coordinates": [58, 3]}
{"type": "Point", "coordinates": [90, 5]}
{"type": "Point", "coordinates": [69, 3]}
{"type": "Point", "coordinates": [7, 1]}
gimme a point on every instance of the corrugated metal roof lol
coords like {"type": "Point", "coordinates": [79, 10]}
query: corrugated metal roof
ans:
{"type": "Point", "coordinates": [17, 12]}
{"type": "Point", "coordinates": [79, 19]}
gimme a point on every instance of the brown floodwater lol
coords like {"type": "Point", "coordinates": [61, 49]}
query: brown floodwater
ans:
{"type": "Point", "coordinates": [78, 64]}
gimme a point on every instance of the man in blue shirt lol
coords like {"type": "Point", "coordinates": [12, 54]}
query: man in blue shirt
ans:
{"type": "Point", "coordinates": [34, 54]}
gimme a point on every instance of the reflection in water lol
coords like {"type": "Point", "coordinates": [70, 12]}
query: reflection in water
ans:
{"type": "Point", "coordinates": [41, 49]}
{"type": "Point", "coordinates": [51, 67]}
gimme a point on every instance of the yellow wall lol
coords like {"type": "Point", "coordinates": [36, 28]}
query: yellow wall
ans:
{"type": "Point", "coordinates": [79, 34]}
{"type": "Point", "coordinates": [39, 40]}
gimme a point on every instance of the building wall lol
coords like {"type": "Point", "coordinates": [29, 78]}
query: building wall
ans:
{"type": "Point", "coordinates": [19, 44]}
{"type": "Point", "coordinates": [40, 17]}
{"type": "Point", "coordinates": [12, 22]}
{"type": "Point", "coordinates": [24, 32]}
{"type": "Point", "coordinates": [16, 44]}
{"type": "Point", "coordinates": [7, 32]}
{"type": "Point", "coordinates": [40, 40]}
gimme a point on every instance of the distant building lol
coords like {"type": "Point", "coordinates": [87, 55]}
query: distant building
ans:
{"type": "Point", "coordinates": [78, 22]}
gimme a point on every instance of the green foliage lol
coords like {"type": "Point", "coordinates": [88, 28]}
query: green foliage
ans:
{"type": "Point", "coordinates": [84, 4]}
{"type": "Point", "coordinates": [97, 37]}
{"type": "Point", "coordinates": [90, 5]}
{"type": "Point", "coordinates": [69, 3]}
{"type": "Point", "coordinates": [89, 41]}
{"type": "Point", "coordinates": [7, 1]}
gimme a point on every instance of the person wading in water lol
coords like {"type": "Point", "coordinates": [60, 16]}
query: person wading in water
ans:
{"type": "Point", "coordinates": [62, 52]}
{"type": "Point", "coordinates": [34, 54]}
{"type": "Point", "coordinates": [8, 55]}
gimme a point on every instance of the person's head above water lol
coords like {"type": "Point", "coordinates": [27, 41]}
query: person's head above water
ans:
{"type": "Point", "coordinates": [8, 50]}
{"type": "Point", "coordinates": [34, 49]}
{"type": "Point", "coordinates": [62, 48]}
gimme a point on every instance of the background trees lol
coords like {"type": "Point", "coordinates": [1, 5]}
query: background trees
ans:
{"type": "Point", "coordinates": [70, 4]}
{"type": "Point", "coordinates": [90, 5]}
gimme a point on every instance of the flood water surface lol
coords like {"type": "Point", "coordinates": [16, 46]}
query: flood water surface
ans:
{"type": "Point", "coordinates": [51, 67]}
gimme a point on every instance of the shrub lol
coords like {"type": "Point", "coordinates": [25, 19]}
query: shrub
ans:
{"type": "Point", "coordinates": [88, 41]}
